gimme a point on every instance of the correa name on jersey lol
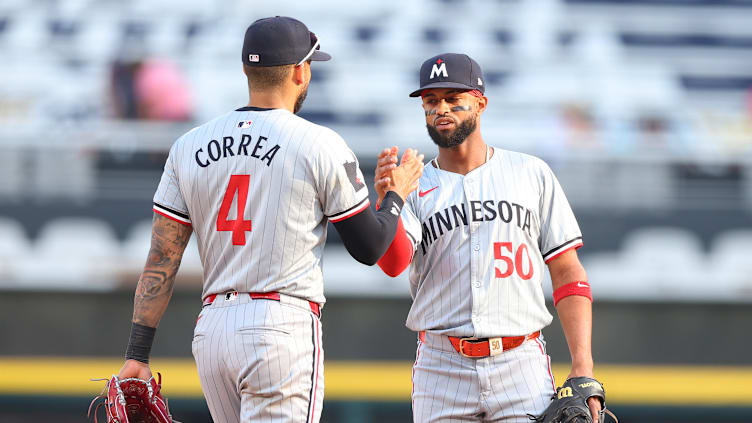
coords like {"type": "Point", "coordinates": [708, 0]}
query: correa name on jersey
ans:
{"type": "Point", "coordinates": [480, 211]}
{"type": "Point", "coordinates": [214, 151]}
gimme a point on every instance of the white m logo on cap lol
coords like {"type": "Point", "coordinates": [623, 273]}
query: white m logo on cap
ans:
{"type": "Point", "coordinates": [438, 70]}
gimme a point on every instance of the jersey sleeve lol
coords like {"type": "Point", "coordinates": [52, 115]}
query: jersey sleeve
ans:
{"type": "Point", "coordinates": [168, 200]}
{"type": "Point", "coordinates": [340, 184]}
{"type": "Point", "coordinates": [559, 230]}
{"type": "Point", "coordinates": [411, 222]}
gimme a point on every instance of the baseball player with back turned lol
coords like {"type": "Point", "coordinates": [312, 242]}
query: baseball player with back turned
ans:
{"type": "Point", "coordinates": [476, 236]}
{"type": "Point", "coordinates": [257, 186]}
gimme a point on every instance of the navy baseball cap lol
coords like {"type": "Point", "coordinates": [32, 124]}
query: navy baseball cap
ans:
{"type": "Point", "coordinates": [450, 70]}
{"type": "Point", "coordinates": [280, 41]}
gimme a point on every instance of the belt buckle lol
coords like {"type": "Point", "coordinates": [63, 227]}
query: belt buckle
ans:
{"type": "Point", "coordinates": [495, 346]}
{"type": "Point", "coordinates": [462, 352]}
{"type": "Point", "coordinates": [231, 296]}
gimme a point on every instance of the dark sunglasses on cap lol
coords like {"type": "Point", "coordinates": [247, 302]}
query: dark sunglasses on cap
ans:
{"type": "Point", "coordinates": [315, 45]}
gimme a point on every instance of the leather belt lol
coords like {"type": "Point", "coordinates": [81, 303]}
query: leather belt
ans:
{"type": "Point", "coordinates": [486, 347]}
{"type": "Point", "coordinates": [275, 296]}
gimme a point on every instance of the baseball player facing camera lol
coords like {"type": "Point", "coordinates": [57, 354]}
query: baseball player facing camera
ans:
{"type": "Point", "coordinates": [477, 236]}
{"type": "Point", "coordinates": [258, 186]}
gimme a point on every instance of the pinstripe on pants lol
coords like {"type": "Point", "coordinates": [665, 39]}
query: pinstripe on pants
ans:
{"type": "Point", "coordinates": [260, 361]}
{"type": "Point", "coordinates": [448, 387]}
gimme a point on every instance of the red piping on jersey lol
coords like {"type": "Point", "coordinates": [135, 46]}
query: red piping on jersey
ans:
{"type": "Point", "coordinates": [575, 246]}
{"type": "Point", "coordinates": [170, 217]}
{"type": "Point", "coordinates": [399, 254]}
{"type": "Point", "coordinates": [352, 213]}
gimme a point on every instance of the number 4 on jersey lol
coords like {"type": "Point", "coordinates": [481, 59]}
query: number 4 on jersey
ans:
{"type": "Point", "coordinates": [238, 184]}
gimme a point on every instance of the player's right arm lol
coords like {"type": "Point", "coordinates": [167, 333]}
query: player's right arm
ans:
{"type": "Point", "coordinates": [343, 196]}
{"type": "Point", "coordinates": [400, 253]}
{"type": "Point", "coordinates": [368, 234]}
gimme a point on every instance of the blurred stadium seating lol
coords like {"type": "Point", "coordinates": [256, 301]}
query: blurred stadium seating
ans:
{"type": "Point", "coordinates": [675, 59]}
{"type": "Point", "coordinates": [642, 107]}
{"type": "Point", "coordinates": [659, 262]}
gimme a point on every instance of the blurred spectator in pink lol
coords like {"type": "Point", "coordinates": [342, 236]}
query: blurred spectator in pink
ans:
{"type": "Point", "coordinates": [162, 92]}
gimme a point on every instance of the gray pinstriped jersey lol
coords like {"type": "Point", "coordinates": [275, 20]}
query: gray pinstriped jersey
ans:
{"type": "Point", "coordinates": [284, 175]}
{"type": "Point", "coordinates": [480, 244]}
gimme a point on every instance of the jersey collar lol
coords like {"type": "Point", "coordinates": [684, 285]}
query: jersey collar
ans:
{"type": "Point", "coordinates": [254, 109]}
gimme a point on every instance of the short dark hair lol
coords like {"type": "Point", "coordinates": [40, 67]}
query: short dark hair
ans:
{"type": "Point", "coordinates": [266, 77]}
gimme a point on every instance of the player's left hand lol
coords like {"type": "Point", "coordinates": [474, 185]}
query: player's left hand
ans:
{"type": "Point", "coordinates": [595, 408]}
{"type": "Point", "coordinates": [573, 401]}
{"type": "Point", "coordinates": [593, 403]}
{"type": "Point", "coordinates": [387, 161]}
{"type": "Point", "coordinates": [134, 368]}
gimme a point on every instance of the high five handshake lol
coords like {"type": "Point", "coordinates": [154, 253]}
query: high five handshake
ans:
{"type": "Point", "coordinates": [402, 179]}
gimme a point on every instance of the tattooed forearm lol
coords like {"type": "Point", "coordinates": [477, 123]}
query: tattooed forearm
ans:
{"type": "Point", "coordinates": [168, 241]}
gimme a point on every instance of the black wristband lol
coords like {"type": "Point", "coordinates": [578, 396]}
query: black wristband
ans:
{"type": "Point", "coordinates": [391, 198]}
{"type": "Point", "coordinates": [139, 344]}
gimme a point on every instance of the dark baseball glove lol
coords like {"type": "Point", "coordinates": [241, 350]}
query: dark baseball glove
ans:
{"type": "Point", "coordinates": [132, 400]}
{"type": "Point", "coordinates": [569, 403]}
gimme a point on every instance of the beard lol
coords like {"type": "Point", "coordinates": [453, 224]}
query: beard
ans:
{"type": "Point", "coordinates": [299, 101]}
{"type": "Point", "coordinates": [455, 138]}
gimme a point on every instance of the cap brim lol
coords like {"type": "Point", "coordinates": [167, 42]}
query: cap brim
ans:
{"type": "Point", "coordinates": [320, 56]}
{"type": "Point", "coordinates": [417, 92]}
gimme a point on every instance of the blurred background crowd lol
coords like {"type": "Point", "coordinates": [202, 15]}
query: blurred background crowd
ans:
{"type": "Point", "coordinates": [643, 108]}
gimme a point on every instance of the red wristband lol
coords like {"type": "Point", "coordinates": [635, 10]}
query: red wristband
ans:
{"type": "Point", "coordinates": [580, 288]}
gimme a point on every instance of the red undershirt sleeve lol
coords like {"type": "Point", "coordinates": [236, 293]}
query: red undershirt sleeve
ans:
{"type": "Point", "coordinates": [399, 254]}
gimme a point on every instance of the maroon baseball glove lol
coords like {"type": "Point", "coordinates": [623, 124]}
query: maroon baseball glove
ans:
{"type": "Point", "coordinates": [132, 400]}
